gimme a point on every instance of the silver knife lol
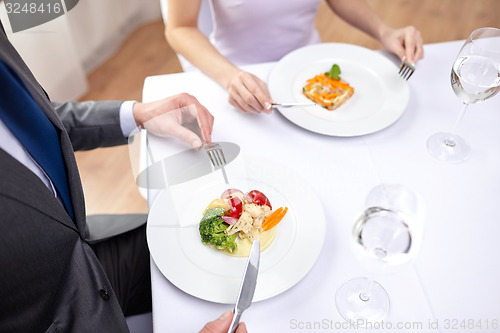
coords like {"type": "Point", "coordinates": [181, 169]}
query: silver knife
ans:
{"type": "Point", "coordinates": [248, 284]}
{"type": "Point", "coordinates": [181, 167]}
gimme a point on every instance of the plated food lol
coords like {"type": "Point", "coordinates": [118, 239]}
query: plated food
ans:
{"type": "Point", "coordinates": [232, 222]}
{"type": "Point", "coordinates": [200, 271]}
{"type": "Point", "coordinates": [328, 89]}
{"type": "Point", "coordinates": [381, 95]}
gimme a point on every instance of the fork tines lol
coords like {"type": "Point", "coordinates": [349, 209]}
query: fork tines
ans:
{"type": "Point", "coordinates": [216, 154]}
{"type": "Point", "coordinates": [406, 70]}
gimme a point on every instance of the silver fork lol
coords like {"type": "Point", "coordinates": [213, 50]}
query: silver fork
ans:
{"type": "Point", "coordinates": [406, 69]}
{"type": "Point", "coordinates": [288, 105]}
{"type": "Point", "coordinates": [216, 155]}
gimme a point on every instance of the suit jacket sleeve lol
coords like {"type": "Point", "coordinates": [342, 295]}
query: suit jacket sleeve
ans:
{"type": "Point", "coordinates": [92, 124]}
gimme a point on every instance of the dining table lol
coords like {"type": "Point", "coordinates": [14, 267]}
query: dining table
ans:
{"type": "Point", "coordinates": [452, 284]}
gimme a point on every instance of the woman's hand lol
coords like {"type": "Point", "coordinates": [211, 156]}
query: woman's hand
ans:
{"type": "Point", "coordinates": [406, 43]}
{"type": "Point", "coordinates": [248, 93]}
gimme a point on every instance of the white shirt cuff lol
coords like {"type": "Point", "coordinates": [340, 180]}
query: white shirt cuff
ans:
{"type": "Point", "coordinates": [127, 121]}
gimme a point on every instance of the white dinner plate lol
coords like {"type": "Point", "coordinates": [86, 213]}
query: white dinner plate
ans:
{"type": "Point", "coordinates": [203, 272]}
{"type": "Point", "coordinates": [380, 94]}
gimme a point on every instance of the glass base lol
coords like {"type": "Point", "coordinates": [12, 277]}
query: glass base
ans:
{"type": "Point", "coordinates": [358, 308]}
{"type": "Point", "coordinates": [448, 147]}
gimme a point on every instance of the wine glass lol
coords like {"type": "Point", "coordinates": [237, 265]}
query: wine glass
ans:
{"type": "Point", "coordinates": [475, 77]}
{"type": "Point", "coordinates": [388, 233]}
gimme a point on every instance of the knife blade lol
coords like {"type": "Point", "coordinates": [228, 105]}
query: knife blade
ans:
{"type": "Point", "coordinates": [248, 284]}
{"type": "Point", "coordinates": [181, 167]}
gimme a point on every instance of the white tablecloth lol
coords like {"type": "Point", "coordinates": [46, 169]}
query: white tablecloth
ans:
{"type": "Point", "coordinates": [453, 284]}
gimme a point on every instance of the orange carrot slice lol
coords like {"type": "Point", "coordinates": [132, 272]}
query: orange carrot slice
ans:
{"type": "Point", "coordinates": [272, 223]}
{"type": "Point", "coordinates": [273, 215]}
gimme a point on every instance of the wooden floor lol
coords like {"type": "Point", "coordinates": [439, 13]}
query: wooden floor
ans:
{"type": "Point", "coordinates": [107, 177]}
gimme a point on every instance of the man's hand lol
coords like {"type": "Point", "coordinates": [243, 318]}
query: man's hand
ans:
{"type": "Point", "coordinates": [180, 116]}
{"type": "Point", "coordinates": [221, 325]}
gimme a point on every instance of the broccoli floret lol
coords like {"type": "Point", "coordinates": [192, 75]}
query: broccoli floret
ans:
{"type": "Point", "coordinates": [211, 212]}
{"type": "Point", "coordinates": [224, 242]}
{"type": "Point", "coordinates": [212, 229]}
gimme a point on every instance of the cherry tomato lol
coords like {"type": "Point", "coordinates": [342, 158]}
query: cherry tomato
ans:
{"type": "Point", "coordinates": [235, 207]}
{"type": "Point", "coordinates": [259, 198]}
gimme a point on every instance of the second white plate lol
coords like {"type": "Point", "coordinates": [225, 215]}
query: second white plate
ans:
{"type": "Point", "coordinates": [380, 94]}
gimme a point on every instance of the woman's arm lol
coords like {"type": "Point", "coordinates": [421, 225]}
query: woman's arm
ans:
{"type": "Point", "coordinates": [246, 92]}
{"type": "Point", "coordinates": [406, 42]}
{"type": "Point", "coordinates": [185, 38]}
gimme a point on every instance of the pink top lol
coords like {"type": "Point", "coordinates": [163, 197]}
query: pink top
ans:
{"type": "Point", "coordinates": [254, 31]}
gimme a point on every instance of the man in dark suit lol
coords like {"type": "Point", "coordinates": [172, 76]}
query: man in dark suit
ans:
{"type": "Point", "coordinates": [52, 277]}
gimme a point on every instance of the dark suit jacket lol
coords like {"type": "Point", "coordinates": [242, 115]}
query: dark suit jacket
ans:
{"type": "Point", "coordinates": [50, 279]}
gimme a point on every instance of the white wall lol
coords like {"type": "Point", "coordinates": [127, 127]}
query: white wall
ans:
{"type": "Point", "coordinates": [61, 52]}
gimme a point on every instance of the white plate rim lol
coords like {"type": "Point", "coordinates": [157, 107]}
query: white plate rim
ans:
{"type": "Point", "coordinates": [306, 248]}
{"type": "Point", "coordinates": [395, 87]}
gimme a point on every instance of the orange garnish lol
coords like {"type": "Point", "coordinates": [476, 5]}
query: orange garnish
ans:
{"type": "Point", "coordinates": [273, 215]}
{"type": "Point", "coordinates": [271, 223]}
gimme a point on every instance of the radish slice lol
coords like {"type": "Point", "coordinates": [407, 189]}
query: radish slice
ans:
{"type": "Point", "coordinates": [232, 192]}
{"type": "Point", "coordinates": [248, 197]}
{"type": "Point", "coordinates": [228, 219]}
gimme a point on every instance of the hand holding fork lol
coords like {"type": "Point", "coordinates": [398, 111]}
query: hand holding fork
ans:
{"type": "Point", "coordinates": [406, 69]}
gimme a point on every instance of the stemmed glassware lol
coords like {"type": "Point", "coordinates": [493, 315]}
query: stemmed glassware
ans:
{"type": "Point", "coordinates": [388, 233]}
{"type": "Point", "coordinates": [475, 77]}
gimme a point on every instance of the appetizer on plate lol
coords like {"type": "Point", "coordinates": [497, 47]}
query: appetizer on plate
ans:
{"type": "Point", "coordinates": [328, 89]}
{"type": "Point", "coordinates": [232, 222]}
